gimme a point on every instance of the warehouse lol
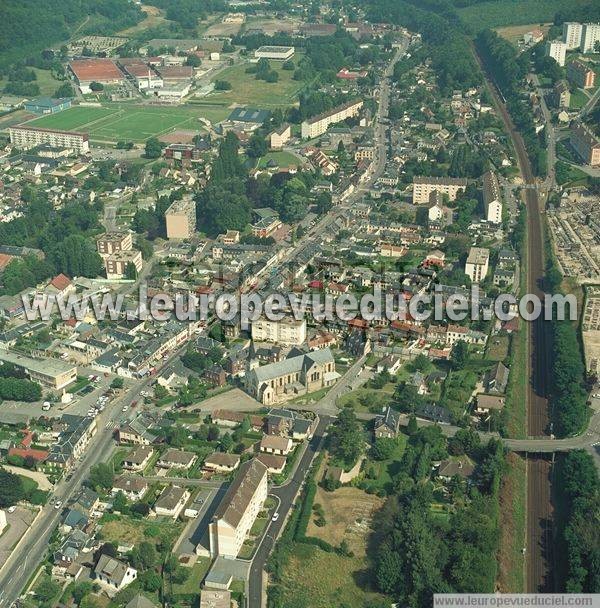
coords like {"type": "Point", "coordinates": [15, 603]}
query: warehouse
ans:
{"type": "Point", "coordinates": [48, 372]}
{"type": "Point", "coordinates": [47, 105]}
{"type": "Point", "coordinates": [103, 71]}
{"type": "Point", "coordinates": [282, 53]}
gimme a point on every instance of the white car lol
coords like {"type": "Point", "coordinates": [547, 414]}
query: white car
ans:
{"type": "Point", "coordinates": [125, 408]}
{"type": "Point", "coordinates": [275, 517]}
{"type": "Point", "coordinates": [58, 504]}
{"type": "Point", "coordinates": [11, 509]}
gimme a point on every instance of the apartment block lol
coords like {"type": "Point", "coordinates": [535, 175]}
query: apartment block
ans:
{"type": "Point", "coordinates": [317, 125]}
{"type": "Point", "coordinates": [492, 200]}
{"type": "Point", "coordinates": [181, 219]}
{"type": "Point", "coordinates": [557, 50]}
{"type": "Point", "coordinates": [423, 186]}
{"type": "Point", "coordinates": [581, 75]}
{"type": "Point", "coordinates": [29, 137]}
{"type": "Point", "coordinates": [238, 510]}
{"type": "Point", "coordinates": [571, 35]}
{"type": "Point", "coordinates": [116, 264]}
{"type": "Point", "coordinates": [280, 137]}
{"type": "Point", "coordinates": [585, 143]}
{"type": "Point", "coordinates": [561, 95]}
{"type": "Point", "coordinates": [590, 35]}
{"type": "Point", "coordinates": [477, 264]}
{"type": "Point", "coordinates": [288, 331]}
{"type": "Point", "coordinates": [111, 242]}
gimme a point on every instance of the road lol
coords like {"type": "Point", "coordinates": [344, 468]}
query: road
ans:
{"type": "Point", "coordinates": [286, 495]}
{"type": "Point", "coordinates": [591, 104]}
{"type": "Point", "coordinates": [539, 506]}
{"type": "Point", "coordinates": [22, 563]}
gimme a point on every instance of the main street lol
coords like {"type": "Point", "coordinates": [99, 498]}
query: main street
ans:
{"type": "Point", "coordinates": [30, 552]}
{"type": "Point", "coordinates": [326, 406]}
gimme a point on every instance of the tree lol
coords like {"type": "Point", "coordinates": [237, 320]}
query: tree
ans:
{"type": "Point", "coordinates": [117, 382]}
{"type": "Point", "coordinates": [96, 86]}
{"type": "Point", "coordinates": [46, 590]}
{"type": "Point", "coordinates": [383, 448]}
{"type": "Point", "coordinates": [257, 146]}
{"type": "Point", "coordinates": [64, 90]}
{"type": "Point", "coordinates": [289, 65]}
{"type": "Point", "coordinates": [226, 442]}
{"type": "Point", "coordinates": [412, 426]}
{"type": "Point", "coordinates": [144, 556]}
{"type": "Point", "coordinates": [346, 438]}
{"type": "Point", "coordinates": [153, 148]}
{"type": "Point", "coordinates": [150, 581]}
{"type": "Point", "coordinates": [131, 272]}
{"type": "Point", "coordinates": [11, 489]}
{"type": "Point", "coordinates": [222, 85]}
{"type": "Point", "coordinates": [459, 355]}
{"type": "Point", "coordinates": [102, 476]}
{"type": "Point", "coordinates": [193, 61]}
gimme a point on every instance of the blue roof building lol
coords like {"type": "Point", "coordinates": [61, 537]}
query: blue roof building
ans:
{"type": "Point", "coordinates": [47, 105]}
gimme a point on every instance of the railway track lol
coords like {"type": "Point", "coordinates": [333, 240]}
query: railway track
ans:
{"type": "Point", "coordinates": [539, 535]}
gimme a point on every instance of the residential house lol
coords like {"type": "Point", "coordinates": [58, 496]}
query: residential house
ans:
{"type": "Point", "coordinates": [496, 379]}
{"type": "Point", "coordinates": [488, 403]}
{"type": "Point", "coordinates": [221, 462]}
{"type": "Point", "coordinates": [133, 488]}
{"type": "Point", "coordinates": [275, 444]}
{"type": "Point", "coordinates": [138, 459]}
{"type": "Point", "coordinates": [462, 467]}
{"type": "Point", "coordinates": [275, 464]}
{"type": "Point", "coordinates": [171, 501]}
{"type": "Point", "coordinates": [173, 459]}
{"type": "Point", "coordinates": [387, 425]}
{"type": "Point", "coordinates": [113, 573]}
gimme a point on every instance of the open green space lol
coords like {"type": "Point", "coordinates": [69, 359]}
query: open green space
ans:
{"type": "Point", "coordinates": [282, 158]}
{"type": "Point", "coordinates": [247, 90]}
{"type": "Point", "coordinates": [578, 100]}
{"type": "Point", "coordinates": [509, 12]}
{"type": "Point", "coordinates": [114, 122]}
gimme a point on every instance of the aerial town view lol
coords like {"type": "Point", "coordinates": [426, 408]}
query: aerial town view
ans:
{"type": "Point", "coordinates": [299, 303]}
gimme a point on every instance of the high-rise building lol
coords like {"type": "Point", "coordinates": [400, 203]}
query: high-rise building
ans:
{"type": "Point", "coordinates": [557, 50]}
{"type": "Point", "coordinates": [181, 219]}
{"type": "Point", "coordinates": [590, 35]}
{"type": "Point", "coordinates": [423, 186]}
{"type": "Point", "coordinates": [571, 35]}
{"type": "Point", "coordinates": [477, 264]}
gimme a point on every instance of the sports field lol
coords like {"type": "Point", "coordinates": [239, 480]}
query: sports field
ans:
{"type": "Point", "coordinates": [115, 122]}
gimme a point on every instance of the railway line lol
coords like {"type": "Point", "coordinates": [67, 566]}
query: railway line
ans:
{"type": "Point", "coordinates": [539, 558]}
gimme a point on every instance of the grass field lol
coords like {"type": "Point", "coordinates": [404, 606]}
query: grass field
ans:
{"type": "Point", "coordinates": [247, 90]}
{"type": "Point", "coordinates": [578, 100]}
{"type": "Point", "coordinates": [498, 13]}
{"type": "Point", "coordinates": [514, 33]}
{"type": "Point", "coordinates": [282, 158]}
{"type": "Point", "coordinates": [325, 580]}
{"type": "Point", "coordinates": [114, 122]}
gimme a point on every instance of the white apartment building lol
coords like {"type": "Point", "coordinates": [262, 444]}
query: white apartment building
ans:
{"type": "Point", "coordinates": [288, 331]}
{"type": "Point", "coordinates": [477, 264]}
{"type": "Point", "coordinates": [423, 186]}
{"type": "Point", "coordinates": [29, 137]}
{"type": "Point", "coordinates": [572, 34]}
{"type": "Point", "coordinates": [557, 50]}
{"type": "Point", "coordinates": [317, 125]}
{"type": "Point", "coordinates": [281, 53]}
{"type": "Point", "coordinates": [238, 510]}
{"type": "Point", "coordinates": [492, 200]}
{"type": "Point", "coordinates": [590, 34]}
{"type": "Point", "coordinates": [111, 242]}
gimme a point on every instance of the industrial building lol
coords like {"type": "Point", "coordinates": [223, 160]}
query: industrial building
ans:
{"type": "Point", "coordinates": [51, 373]}
{"type": "Point", "coordinates": [281, 53]}
{"type": "Point", "coordinates": [47, 105]}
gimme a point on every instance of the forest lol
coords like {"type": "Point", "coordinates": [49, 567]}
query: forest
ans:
{"type": "Point", "coordinates": [580, 533]}
{"type": "Point", "coordinates": [28, 26]}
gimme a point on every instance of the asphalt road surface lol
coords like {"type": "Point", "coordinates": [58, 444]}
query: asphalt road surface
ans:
{"type": "Point", "coordinates": [286, 495]}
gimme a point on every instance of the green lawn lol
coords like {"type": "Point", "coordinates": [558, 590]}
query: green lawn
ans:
{"type": "Point", "coordinates": [578, 100]}
{"type": "Point", "coordinates": [247, 90]}
{"type": "Point", "coordinates": [498, 13]}
{"type": "Point", "coordinates": [282, 158]}
{"type": "Point", "coordinates": [196, 576]}
{"type": "Point", "coordinates": [384, 470]}
{"type": "Point", "coordinates": [114, 122]}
